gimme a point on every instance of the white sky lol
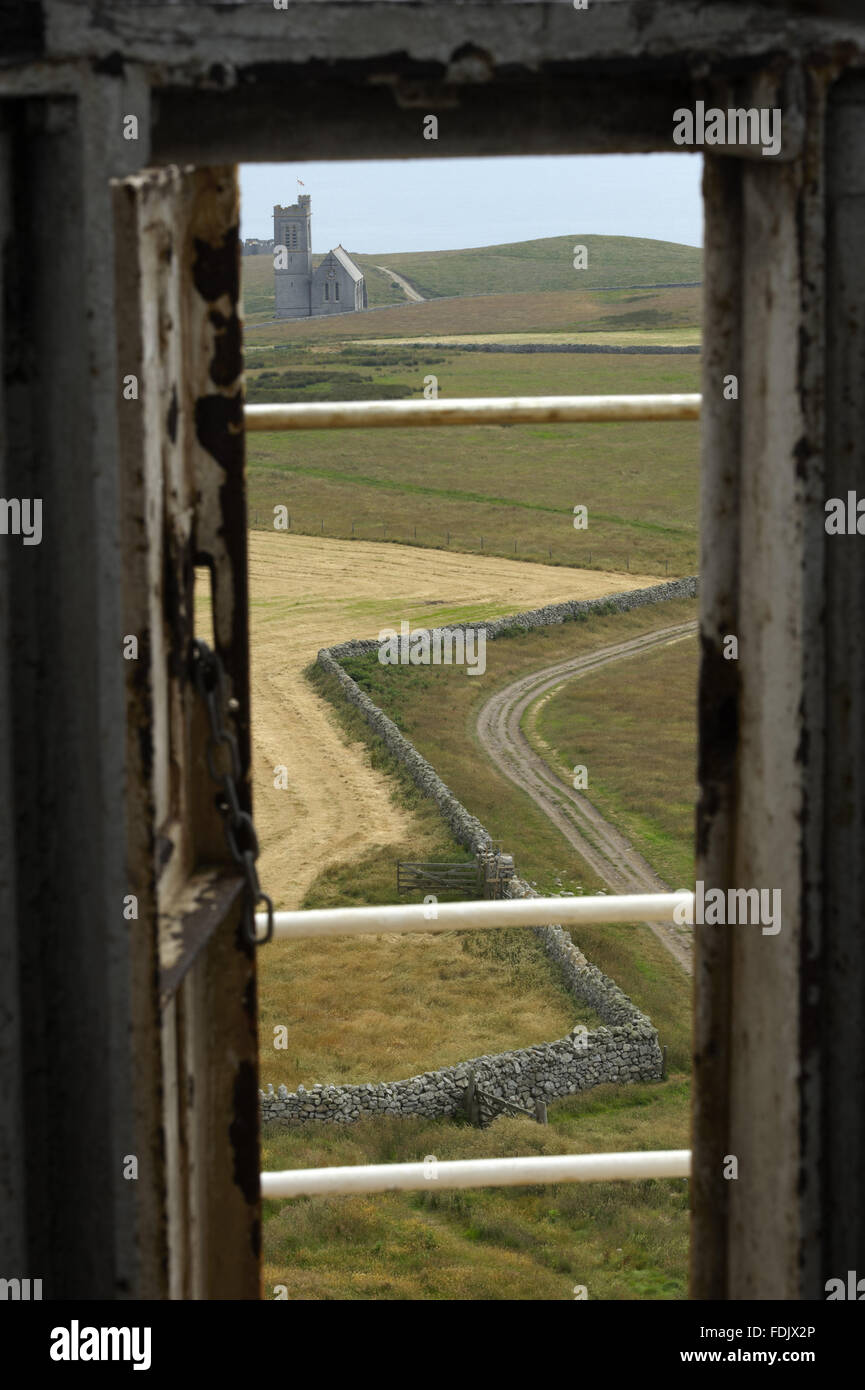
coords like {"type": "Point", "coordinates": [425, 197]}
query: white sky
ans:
{"type": "Point", "coordinates": [437, 204]}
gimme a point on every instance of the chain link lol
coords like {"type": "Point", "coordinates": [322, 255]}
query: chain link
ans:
{"type": "Point", "coordinates": [240, 833]}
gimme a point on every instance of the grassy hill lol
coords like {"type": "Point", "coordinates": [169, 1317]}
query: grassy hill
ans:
{"type": "Point", "coordinates": [544, 266]}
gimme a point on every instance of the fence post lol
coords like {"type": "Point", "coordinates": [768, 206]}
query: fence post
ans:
{"type": "Point", "coordinates": [471, 1103]}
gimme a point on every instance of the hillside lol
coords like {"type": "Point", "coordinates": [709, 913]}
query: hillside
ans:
{"type": "Point", "coordinates": [572, 312]}
{"type": "Point", "coordinates": [544, 264]}
{"type": "Point", "coordinates": [536, 267]}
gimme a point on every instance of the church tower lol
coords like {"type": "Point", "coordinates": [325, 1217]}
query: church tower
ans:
{"type": "Point", "coordinates": [293, 268]}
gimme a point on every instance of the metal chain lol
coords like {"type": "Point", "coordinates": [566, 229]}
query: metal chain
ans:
{"type": "Point", "coordinates": [240, 833]}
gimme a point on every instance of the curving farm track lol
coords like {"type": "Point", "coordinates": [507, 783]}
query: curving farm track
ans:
{"type": "Point", "coordinates": [410, 293]}
{"type": "Point", "coordinates": [607, 852]}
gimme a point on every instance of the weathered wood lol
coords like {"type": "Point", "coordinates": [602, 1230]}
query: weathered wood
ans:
{"type": "Point", "coordinates": [774, 1034]}
{"type": "Point", "coordinates": [67, 1065]}
{"type": "Point", "coordinates": [192, 35]}
{"type": "Point", "coordinates": [832, 1158]}
{"type": "Point", "coordinates": [183, 478]}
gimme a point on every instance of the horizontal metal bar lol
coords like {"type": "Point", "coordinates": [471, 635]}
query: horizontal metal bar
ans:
{"type": "Point", "coordinates": [497, 912]}
{"type": "Point", "coordinates": [432, 1176]}
{"type": "Point", "coordinates": [481, 410]}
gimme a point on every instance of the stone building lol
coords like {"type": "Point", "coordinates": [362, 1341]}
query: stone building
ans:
{"type": "Point", "coordinates": [336, 286]}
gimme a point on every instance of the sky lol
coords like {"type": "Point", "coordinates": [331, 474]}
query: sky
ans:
{"type": "Point", "coordinates": [437, 204]}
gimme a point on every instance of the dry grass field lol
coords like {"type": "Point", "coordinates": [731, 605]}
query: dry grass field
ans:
{"type": "Point", "coordinates": [307, 594]}
{"type": "Point", "coordinates": [612, 337]}
{"type": "Point", "coordinates": [568, 310]}
{"type": "Point", "coordinates": [390, 1007]}
{"type": "Point", "coordinates": [412, 1001]}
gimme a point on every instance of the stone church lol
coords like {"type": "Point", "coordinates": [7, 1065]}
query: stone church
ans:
{"type": "Point", "coordinates": [336, 286]}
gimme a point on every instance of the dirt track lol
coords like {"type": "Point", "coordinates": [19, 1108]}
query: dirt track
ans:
{"type": "Point", "coordinates": [410, 294]}
{"type": "Point", "coordinates": [307, 593]}
{"type": "Point", "coordinates": [603, 848]}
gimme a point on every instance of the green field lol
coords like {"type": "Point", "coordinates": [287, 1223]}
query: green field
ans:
{"type": "Point", "coordinates": [625, 1240]}
{"type": "Point", "coordinates": [436, 706]}
{"type": "Point", "coordinates": [640, 756]}
{"type": "Point", "coordinates": [622, 1240]}
{"type": "Point", "coordinates": [501, 490]}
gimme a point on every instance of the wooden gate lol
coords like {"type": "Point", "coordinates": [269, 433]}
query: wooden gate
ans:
{"type": "Point", "coordinates": [434, 877]}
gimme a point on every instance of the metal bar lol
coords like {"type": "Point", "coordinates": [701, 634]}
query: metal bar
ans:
{"type": "Point", "coordinates": [481, 410]}
{"type": "Point", "coordinates": [477, 1172]}
{"type": "Point", "coordinates": [498, 912]}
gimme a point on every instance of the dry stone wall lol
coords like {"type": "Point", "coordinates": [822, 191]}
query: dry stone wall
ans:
{"type": "Point", "coordinates": [624, 1049]}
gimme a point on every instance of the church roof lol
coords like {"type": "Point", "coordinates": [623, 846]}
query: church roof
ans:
{"type": "Point", "coordinates": [347, 263]}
